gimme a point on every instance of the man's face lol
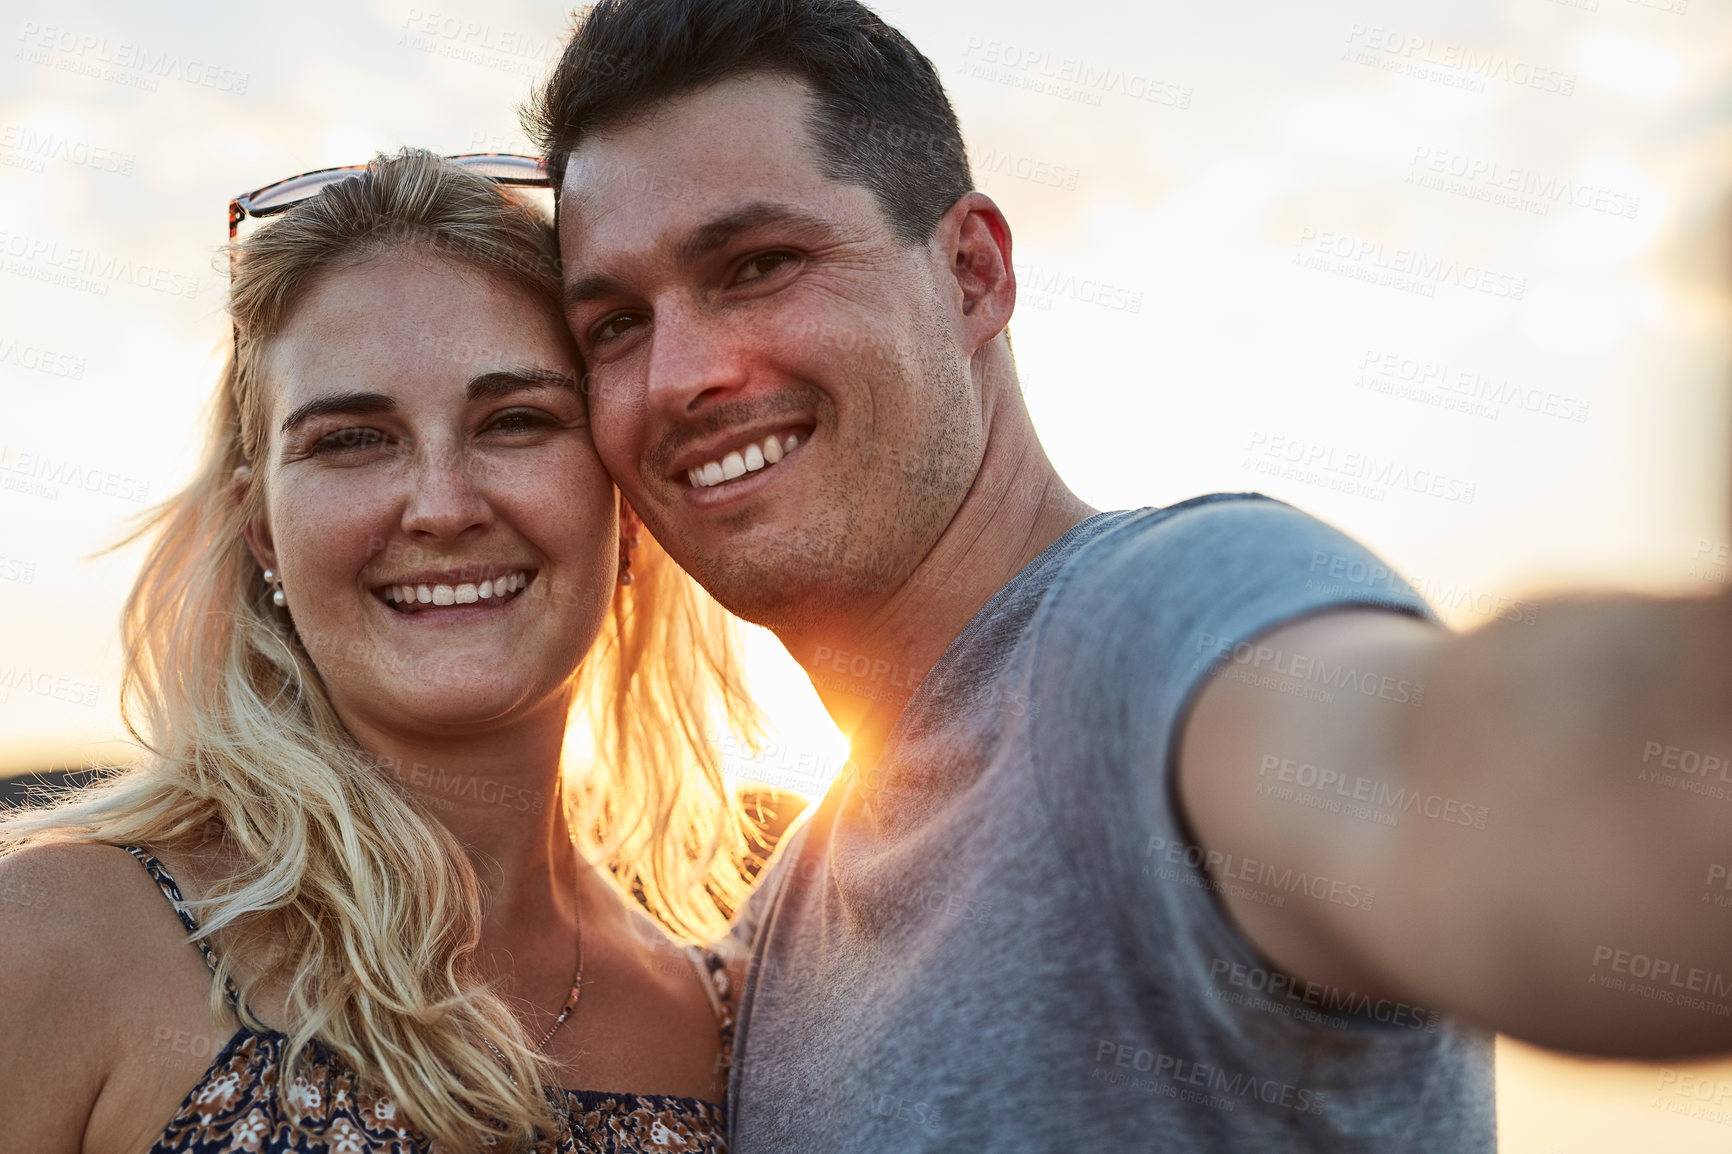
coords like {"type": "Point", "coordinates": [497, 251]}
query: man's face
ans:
{"type": "Point", "coordinates": [776, 382]}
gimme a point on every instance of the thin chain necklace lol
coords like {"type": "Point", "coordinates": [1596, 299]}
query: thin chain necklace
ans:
{"type": "Point", "coordinates": [570, 999]}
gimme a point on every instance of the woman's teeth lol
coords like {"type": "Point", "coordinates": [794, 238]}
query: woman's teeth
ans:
{"type": "Point", "coordinates": [465, 594]}
{"type": "Point", "coordinates": [758, 455]}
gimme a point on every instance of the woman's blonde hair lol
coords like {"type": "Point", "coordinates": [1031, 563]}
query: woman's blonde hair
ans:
{"type": "Point", "coordinates": [376, 901]}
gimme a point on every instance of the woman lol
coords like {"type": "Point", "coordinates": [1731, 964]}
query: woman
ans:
{"type": "Point", "coordinates": [352, 656]}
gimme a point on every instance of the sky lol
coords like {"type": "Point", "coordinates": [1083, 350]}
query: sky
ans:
{"type": "Point", "coordinates": [1451, 276]}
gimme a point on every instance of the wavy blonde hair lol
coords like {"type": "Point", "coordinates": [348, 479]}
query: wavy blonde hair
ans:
{"type": "Point", "coordinates": [376, 901]}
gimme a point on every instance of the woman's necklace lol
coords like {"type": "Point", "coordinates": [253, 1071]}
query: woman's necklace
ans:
{"type": "Point", "coordinates": [570, 999]}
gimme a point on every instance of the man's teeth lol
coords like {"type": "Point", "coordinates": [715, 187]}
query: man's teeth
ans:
{"type": "Point", "coordinates": [465, 594]}
{"type": "Point", "coordinates": [755, 456]}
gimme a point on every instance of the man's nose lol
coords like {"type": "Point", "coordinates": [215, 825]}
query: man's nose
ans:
{"type": "Point", "coordinates": [447, 493]}
{"type": "Point", "coordinates": [694, 360]}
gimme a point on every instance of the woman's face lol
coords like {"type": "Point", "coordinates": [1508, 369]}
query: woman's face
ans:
{"type": "Point", "coordinates": [446, 538]}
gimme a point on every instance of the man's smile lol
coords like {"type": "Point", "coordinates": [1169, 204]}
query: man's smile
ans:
{"type": "Point", "coordinates": [749, 456]}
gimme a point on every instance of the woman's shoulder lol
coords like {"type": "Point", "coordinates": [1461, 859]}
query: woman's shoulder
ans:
{"type": "Point", "coordinates": [58, 897]}
{"type": "Point", "coordinates": [84, 950]}
{"type": "Point", "coordinates": [83, 920]}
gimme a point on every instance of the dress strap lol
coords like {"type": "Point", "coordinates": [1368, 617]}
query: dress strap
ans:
{"type": "Point", "coordinates": [171, 890]}
{"type": "Point", "coordinates": [714, 973]}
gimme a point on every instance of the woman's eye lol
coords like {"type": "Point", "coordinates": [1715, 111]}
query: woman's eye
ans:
{"type": "Point", "coordinates": [762, 265]}
{"type": "Point", "coordinates": [346, 440]}
{"type": "Point", "coordinates": [513, 420]}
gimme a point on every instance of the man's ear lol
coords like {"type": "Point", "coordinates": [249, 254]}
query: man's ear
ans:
{"type": "Point", "coordinates": [257, 531]}
{"type": "Point", "coordinates": [975, 241]}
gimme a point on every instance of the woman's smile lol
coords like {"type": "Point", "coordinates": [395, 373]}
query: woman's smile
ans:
{"type": "Point", "coordinates": [441, 596]}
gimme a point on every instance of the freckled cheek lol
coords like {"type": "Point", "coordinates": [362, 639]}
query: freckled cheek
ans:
{"type": "Point", "coordinates": [325, 532]}
{"type": "Point", "coordinates": [562, 502]}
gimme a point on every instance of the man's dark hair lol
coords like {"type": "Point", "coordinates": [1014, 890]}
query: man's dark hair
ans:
{"type": "Point", "coordinates": [879, 117]}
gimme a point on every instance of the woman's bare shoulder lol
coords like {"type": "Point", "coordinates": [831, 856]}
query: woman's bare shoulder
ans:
{"type": "Point", "coordinates": [66, 907]}
{"type": "Point", "coordinates": [72, 920]}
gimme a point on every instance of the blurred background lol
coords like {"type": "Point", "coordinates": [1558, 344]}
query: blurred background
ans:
{"type": "Point", "coordinates": [1451, 276]}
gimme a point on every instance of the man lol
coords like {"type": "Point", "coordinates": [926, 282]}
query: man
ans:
{"type": "Point", "coordinates": [1168, 829]}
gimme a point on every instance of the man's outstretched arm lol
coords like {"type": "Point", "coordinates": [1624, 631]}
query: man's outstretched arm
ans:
{"type": "Point", "coordinates": [1543, 810]}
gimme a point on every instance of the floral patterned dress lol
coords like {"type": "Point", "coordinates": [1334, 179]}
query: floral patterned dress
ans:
{"type": "Point", "coordinates": [236, 1107]}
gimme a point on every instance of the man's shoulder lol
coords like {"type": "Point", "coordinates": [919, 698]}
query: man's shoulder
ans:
{"type": "Point", "coordinates": [1152, 589]}
{"type": "Point", "coordinates": [1166, 553]}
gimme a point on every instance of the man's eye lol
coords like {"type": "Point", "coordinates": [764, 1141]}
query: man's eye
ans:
{"type": "Point", "coordinates": [615, 326]}
{"type": "Point", "coordinates": [345, 440]}
{"type": "Point", "coordinates": [762, 265]}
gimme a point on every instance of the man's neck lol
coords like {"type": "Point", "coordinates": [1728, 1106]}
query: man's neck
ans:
{"type": "Point", "coordinates": [865, 670]}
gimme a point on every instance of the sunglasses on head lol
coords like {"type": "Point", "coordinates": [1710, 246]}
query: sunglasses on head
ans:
{"type": "Point", "coordinates": [499, 167]}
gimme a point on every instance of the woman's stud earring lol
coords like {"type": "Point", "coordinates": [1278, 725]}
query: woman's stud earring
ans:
{"type": "Point", "coordinates": [277, 597]}
{"type": "Point", "coordinates": [626, 545]}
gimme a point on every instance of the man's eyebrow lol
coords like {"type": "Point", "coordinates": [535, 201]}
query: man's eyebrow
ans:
{"type": "Point", "coordinates": [339, 403]}
{"type": "Point", "coordinates": [503, 382]}
{"type": "Point", "coordinates": [589, 288]}
{"type": "Point", "coordinates": [707, 238]}
{"type": "Point", "coordinates": [701, 242]}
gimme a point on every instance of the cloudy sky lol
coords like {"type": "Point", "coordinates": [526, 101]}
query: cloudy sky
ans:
{"type": "Point", "coordinates": [1448, 275]}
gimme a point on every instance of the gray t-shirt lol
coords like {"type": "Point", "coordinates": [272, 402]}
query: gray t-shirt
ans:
{"type": "Point", "coordinates": [1003, 940]}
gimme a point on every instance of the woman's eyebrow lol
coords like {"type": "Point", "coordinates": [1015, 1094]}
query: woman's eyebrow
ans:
{"type": "Point", "coordinates": [339, 403]}
{"type": "Point", "coordinates": [496, 383]}
{"type": "Point", "coordinates": [501, 382]}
